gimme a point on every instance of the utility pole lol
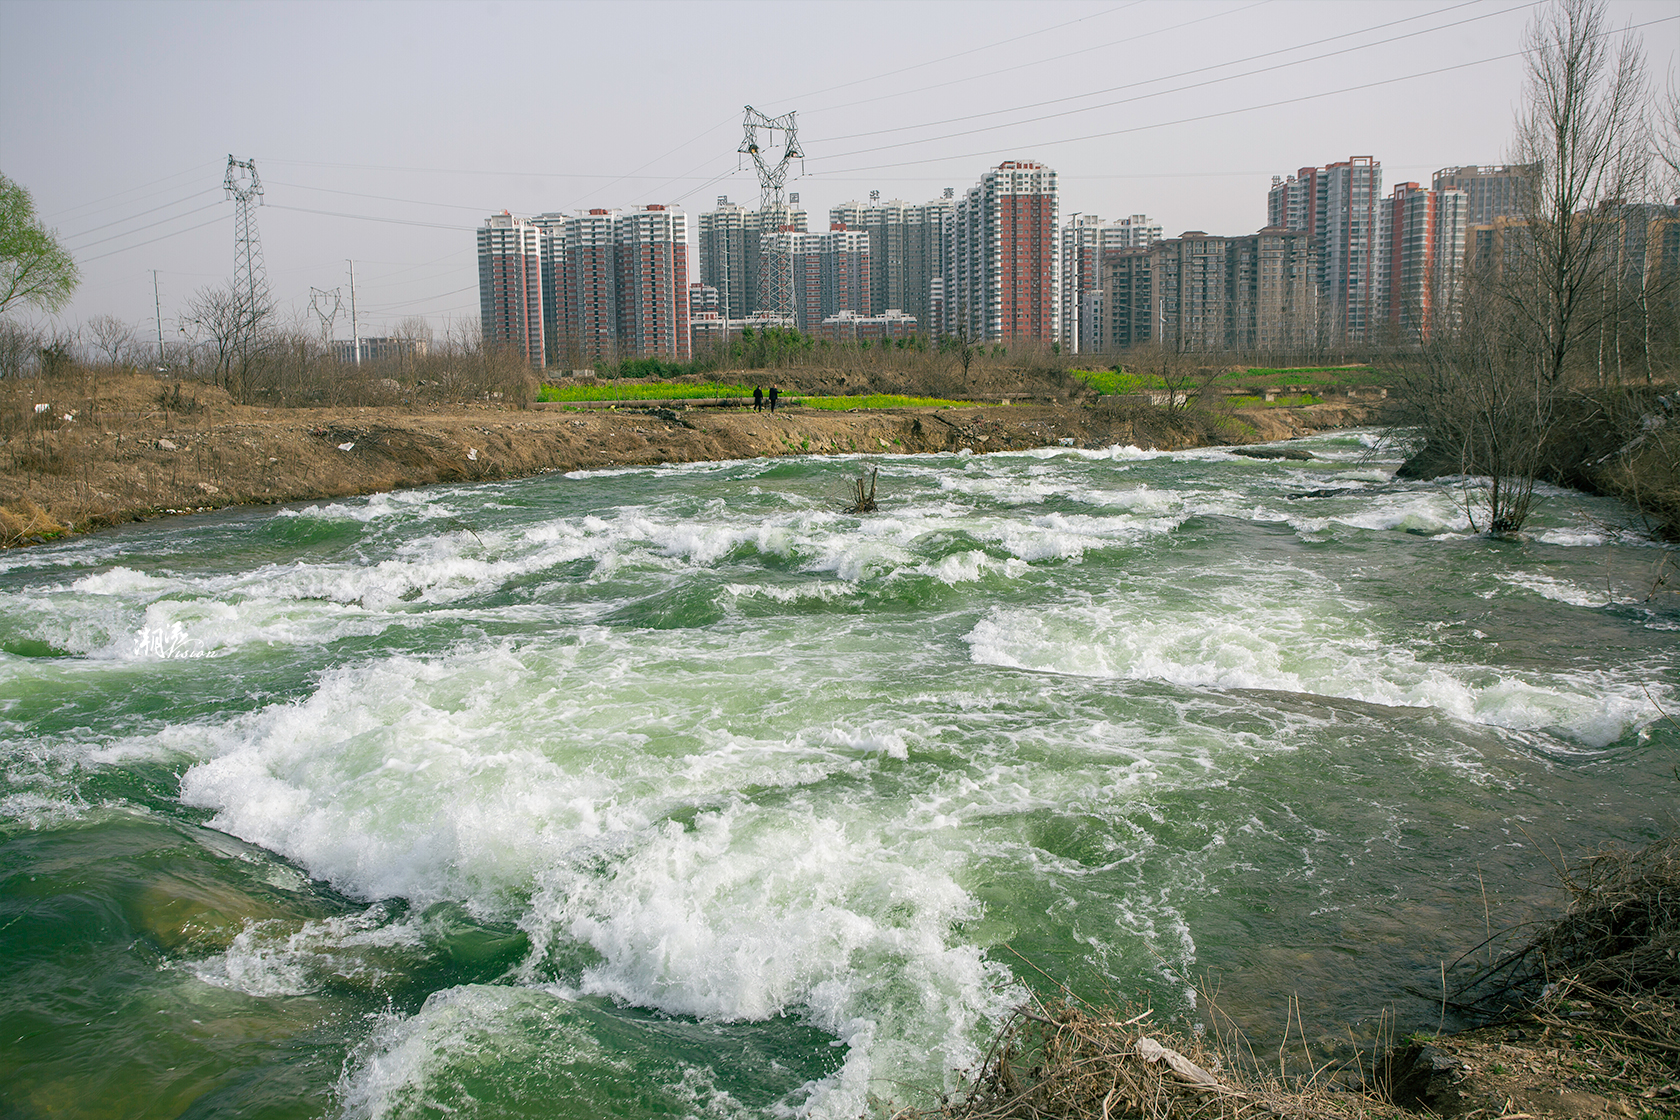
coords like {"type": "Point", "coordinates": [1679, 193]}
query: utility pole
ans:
{"type": "Point", "coordinates": [157, 305]}
{"type": "Point", "coordinates": [355, 326]}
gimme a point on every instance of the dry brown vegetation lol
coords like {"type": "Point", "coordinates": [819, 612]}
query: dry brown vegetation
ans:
{"type": "Point", "coordinates": [85, 445]}
{"type": "Point", "coordinates": [1065, 1061]}
{"type": "Point", "coordinates": [1584, 1022]}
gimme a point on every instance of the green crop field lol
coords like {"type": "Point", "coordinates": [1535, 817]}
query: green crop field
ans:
{"type": "Point", "coordinates": [640, 391]}
{"type": "Point", "coordinates": [876, 400]}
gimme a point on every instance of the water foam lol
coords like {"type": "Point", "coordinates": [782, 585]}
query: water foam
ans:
{"type": "Point", "coordinates": [1307, 650]}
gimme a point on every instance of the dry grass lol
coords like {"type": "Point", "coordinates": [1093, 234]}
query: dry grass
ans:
{"type": "Point", "coordinates": [1609, 967]}
{"type": "Point", "coordinates": [1064, 1061]}
{"type": "Point", "coordinates": [27, 522]}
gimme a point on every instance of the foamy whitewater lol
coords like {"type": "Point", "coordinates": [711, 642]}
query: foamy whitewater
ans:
{"type": "Point", "coordinates": [678, 791]}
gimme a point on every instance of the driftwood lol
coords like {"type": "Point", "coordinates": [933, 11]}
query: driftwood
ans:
{"type": "Point", "coordinates": [865, 493]}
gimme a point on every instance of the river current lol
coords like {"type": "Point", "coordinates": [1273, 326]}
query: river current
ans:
{"type": "Point", "coordinates": [678, 791]}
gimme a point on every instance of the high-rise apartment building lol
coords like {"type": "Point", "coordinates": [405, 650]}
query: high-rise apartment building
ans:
{"type": "Point", "coordinates": [832, 273]}
{"type": "Point", "coordinates": [1426, 232]}
{"type": "Point", "coordinates": [1490, 192]}
{"type": "Point", "coordinates": [1197, 293]}
{"type": "Point", "coordinates": [1085, 238]}
{"type": "Point", "coordinates": [1128, 301]}
{"type": "Point", "coordinates": [553, 253]}
{"type": "Point", "coordinates": [593, 286]}
{"type": "Point", "coordinates": [1340, 205]}
{"type": "Point", "coordinates": [1001, 270]}
{"type": "Point", "coordinates": [510, 289]}
{"type": "Point", "coordinates": [725, 246]}
{"type": "Point", "coordinates": [652, 283]}
{"type": "Point", "coordinates": [906, 248]}
{"type": "Point", "coordinates": [732, 244]}
{"type": "Point", "coordinates": [1273, 288]}
{"type": "Point", "coordinates": [589, 288]}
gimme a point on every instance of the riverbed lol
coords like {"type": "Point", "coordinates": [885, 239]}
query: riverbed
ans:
{"type": "Point", "coordinates": [682, 791]}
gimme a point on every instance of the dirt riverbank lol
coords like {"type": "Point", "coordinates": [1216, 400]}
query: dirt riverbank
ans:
{"type": "Point", "coordinates": [130, 446]}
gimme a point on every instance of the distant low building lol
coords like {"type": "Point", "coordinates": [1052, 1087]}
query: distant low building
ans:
{"type": "Point", "coordinates": [849, 326]}
{"type": "Point", "coordinates": [380, 349]}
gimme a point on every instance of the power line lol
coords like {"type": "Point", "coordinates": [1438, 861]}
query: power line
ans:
{"type": "Point", "coordinates": [424, 299]}
{"type": "Point", "coordinates": [370, 218]}
{"type": "Point", "coordinates": [154, 241]}
{"type": "Point", "coordinates": [966, 53]}
{"type": "Point", "coordinates": [151, 225]}
{"type": "Point", "coordinates": [142, 214]}
{"type": "Point", "coordinates": [381, 197]}
{"type": "Point", "coordinates": [1157, 93]}
{"type": "Point", "coordinates": [1221, 113]}
{"type": "Point", "coordinates": [992, 74]}
{"type": "Point", "coordinates": [192, 173]}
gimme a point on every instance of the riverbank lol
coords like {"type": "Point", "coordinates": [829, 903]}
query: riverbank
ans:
{"type": "Point", "coordinates": [88, 453]}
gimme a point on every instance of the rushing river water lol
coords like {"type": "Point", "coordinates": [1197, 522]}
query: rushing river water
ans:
{"type": "Point", "coordinates": [676, 791]}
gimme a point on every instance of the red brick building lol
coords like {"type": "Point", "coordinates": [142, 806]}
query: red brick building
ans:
{"type": "Point", "coordinates": [1002, 270]}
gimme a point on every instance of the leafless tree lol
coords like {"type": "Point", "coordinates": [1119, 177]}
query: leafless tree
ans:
{"type": "Point", "coordinates": [1582, 127]}
{"type": "Point", "coordinates": [235, 329]}
{"type": "Point", "coordinates": [1485, 394]}
{"type": "Point", "coordinates": [112, 338]}
{"type": "Point", "coordinates": [1665, 136]}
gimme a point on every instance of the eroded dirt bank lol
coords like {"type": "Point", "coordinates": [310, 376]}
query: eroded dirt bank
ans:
{"type": "Point", "coordinates": [133, 447]}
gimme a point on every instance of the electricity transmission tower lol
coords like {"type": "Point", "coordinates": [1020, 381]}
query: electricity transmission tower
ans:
{"type": "Point", "coordinates": [325, 305]}
{"type": "Point", "coordinates": [250, 277]}
{"type": "Point", "coordinates": [775, 230]}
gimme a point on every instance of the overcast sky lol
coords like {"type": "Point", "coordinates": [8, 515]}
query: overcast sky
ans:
{"type": "Point", "coordinates": [387, 132]}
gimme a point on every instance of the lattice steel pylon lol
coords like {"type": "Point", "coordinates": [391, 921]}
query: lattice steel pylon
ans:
{"type": "Point", "coordinates": [250, 276]}
{"type": "Point", "coordinates": [775, 226]}
{"type": "Point", "coordinates": [326, 304]}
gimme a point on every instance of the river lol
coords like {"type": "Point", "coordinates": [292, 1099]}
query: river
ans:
{"type": "Point", "coordinates": [679, 791]}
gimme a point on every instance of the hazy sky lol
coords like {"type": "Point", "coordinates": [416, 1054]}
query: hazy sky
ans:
{"type": "Point", "coordinates": [387, 132]}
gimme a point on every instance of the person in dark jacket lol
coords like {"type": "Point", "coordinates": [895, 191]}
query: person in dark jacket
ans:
{"type": "Point", "coordinates": [774, 393]}
{"type": "Point", "coordinates": [758, 399]}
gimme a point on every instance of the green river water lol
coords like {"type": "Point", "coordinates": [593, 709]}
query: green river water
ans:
{"type": "Point", "coordinates": [676, 791]}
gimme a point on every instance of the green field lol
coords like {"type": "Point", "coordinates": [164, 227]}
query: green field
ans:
{"type": "Point", "coordinates": [876, 400]}
{"type": "Point", "coordinates": [641, 391]}
{"type": "Point", "coordinates": [1243, 387]}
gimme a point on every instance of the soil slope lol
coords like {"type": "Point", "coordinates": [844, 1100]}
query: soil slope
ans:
{"type": "Point", "coordinates": [86, 453]}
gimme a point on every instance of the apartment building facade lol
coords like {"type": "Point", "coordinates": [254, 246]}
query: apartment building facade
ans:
{"type": "Point", "coordinates": [510, 287]}
{"type": "Point", "coordinates": [832, 273]}
{"type": "Point", "coordinates": [732, 242]}
{"type": "Point", "coordinates": [1340, 206]}
{"type": "Point", "coordinates": [1202, 294]}
{"type": "Point", "coordinates": [651, 246]}
{"type": "Point", "coordinates": [1085, 238]}
{"type": "Point", "coordinates": [1490, 192]}
{"type": "Point", "coordinates": [1426, 231]}
{"type": "Point", "coordinates": [593, 286]}
{"type": "Point", "coordinates": [1001, 281]}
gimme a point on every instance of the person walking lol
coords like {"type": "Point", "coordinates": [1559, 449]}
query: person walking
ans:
{"type": "Point", "coordinates": [774, 393]}
{"type": "Point", "coordinates": [758, 398]}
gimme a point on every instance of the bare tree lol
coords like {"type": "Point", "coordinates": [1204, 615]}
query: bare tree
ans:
{"type": "Point", "coordinates": [112, 338]}
{"type": "Point", "coordinates": [1665, 135]}
{"type": "Point", "coordinates": [235, 328]}
{"type": "Point", "coordinates": [1485, 394]}
{"type": "Point", "coordinates": [1582, 128]}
